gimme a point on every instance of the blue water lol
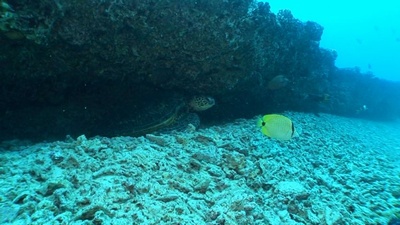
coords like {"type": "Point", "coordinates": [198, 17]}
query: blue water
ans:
{"type": "Point", "coordinates": [365, 34]}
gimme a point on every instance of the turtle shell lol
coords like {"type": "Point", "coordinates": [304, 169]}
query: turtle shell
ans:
{"type": "Point", "coordinates": [164, 113]}
{"type": "Point", "coordinates": [161, 114]}
{"type": "Point", "coordinates": [154, 115]}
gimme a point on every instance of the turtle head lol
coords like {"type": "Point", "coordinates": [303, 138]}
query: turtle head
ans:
{"type": "Point", "coordinates": [201, 103]}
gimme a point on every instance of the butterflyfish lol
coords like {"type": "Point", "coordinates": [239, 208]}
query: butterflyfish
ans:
{"type": "Point", "coordinates": [277, 126]}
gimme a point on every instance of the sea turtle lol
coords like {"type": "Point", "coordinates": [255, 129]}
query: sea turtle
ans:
{"type": "Point", "coordinates": [170, 113]}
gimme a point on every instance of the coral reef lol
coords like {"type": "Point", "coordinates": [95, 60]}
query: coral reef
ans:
{"type": "Point", "coordinates": [226, 174]}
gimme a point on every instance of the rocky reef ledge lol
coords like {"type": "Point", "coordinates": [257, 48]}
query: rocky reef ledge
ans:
{"type": "Point", "coordinates": [69, 67]}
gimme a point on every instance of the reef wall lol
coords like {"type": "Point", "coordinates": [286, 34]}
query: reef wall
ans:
{"type": "Point", "coordinates": [69, 66]}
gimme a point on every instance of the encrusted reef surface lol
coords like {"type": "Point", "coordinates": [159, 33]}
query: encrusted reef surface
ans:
{"type": "Point", "coordinates": [75, 64]}
{"type": "Point", "coordinates": [336, 172]}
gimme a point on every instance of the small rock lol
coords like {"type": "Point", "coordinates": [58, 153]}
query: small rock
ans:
{"type": "Point", "coordinates": [8, 213]}
{"type": "Point", "coordinates": [181, 186]}
{"type": "Point", "coordinates": [202, 187]}
{"type": "Point", "coordinates": [292, 188]}
{"type": "Point", "coordinates": [88, 213]}
{"type": "Point", "coordinates": [332, 216]}
{"type": "Point", "coordinates": [53, 186]}
{"type": "Point", "coordinates": [56, 155]}
{"type": "Point", "coordinates": [159, 140]}
{"type": "Point", "coordinates": [81, 139]}
{"type": "Point", "coordinates": [313, 218]}
{"type": "Point", "coordinates": [235, 161]}
{"type": "Point", "coordinates": [215, 171]}
{"type": "Point", "coordinates": [21, 197]}
{"type": "Point", "coordinates": [168, 198]}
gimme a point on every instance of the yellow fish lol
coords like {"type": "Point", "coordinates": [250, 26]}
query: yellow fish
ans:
{"type": "Point", "coordinates": [277, 126]}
